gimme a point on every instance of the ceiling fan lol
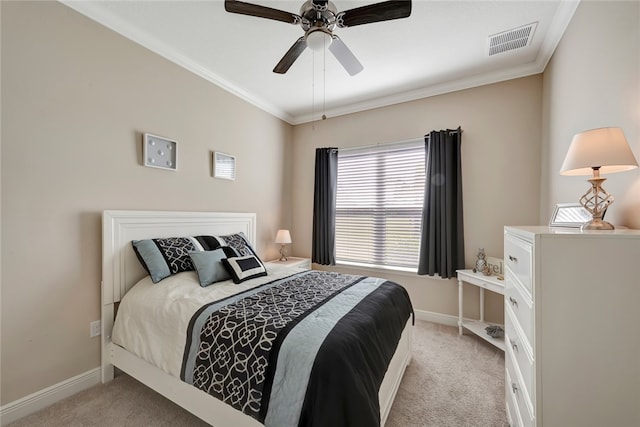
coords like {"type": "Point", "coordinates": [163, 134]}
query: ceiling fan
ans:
{"type": "Point", "coordinates": [318, 19]}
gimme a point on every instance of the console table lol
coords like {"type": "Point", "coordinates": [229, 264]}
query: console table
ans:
{"type": "Point", "coordinates": [477, 327]}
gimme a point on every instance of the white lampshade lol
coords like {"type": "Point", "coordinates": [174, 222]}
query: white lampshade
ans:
{"type": "Point", "coordinates": [283, 237]}
{"type": "Point", "coordinates": [318, 39]}
{"type": "Point", "coordinates": [604, 148]}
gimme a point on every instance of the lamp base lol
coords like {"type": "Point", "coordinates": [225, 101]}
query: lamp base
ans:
{"type": "Point", "coordinates": [596, 201]}
{"type": "Point", "coordinates": [597, 224]}
{"type": "Point", "coordinates": [283, 253]}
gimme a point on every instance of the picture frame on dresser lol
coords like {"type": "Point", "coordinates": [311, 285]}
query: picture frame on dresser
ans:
{"type": "Point", "coordinates": [570, 215]}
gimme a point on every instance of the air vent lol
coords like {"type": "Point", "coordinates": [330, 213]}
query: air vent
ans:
{"type": "Point", "coordinates": [511, 39]}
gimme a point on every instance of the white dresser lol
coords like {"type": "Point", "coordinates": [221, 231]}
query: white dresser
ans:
{"type": "Point", "coordinates": [572, 333]}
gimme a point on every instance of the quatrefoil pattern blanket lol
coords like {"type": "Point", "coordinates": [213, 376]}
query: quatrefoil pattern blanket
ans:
{"type": "Point", "coordinates": [265, 351]}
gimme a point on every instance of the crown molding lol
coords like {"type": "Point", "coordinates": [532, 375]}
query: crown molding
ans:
{"type": "Point", "coordinates": [114, 23]}
{"type": "Point", "coordinates": [558, 26]}
{"type": "Point", "coordinates": [561, 20]}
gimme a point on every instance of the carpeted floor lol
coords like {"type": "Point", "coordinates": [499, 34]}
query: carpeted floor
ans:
{"type": "Point", "coordinates": [452, 381]}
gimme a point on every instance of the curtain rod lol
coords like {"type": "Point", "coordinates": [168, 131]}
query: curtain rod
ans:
{"type": "Point", "coordinates": [384, 144]}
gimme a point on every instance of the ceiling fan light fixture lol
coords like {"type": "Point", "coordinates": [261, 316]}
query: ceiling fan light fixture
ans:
{"type": "Point", "coordinates": [318, 18]}
{"type": "Point", "coordinates": [318, 39]}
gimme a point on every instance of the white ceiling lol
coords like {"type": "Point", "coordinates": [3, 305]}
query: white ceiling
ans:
{"type": "Point", "coordinates": [441, 47]}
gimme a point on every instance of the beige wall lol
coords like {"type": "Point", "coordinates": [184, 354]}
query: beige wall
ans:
{"type": "Point", "coordinates": [75, 99]}
{"type": "Point", "coordinates": [500, 161]}
{"type": "Point", "coordinates": [593, 80]}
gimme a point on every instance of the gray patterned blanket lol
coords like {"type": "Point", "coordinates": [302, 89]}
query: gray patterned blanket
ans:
{"type": "Point", "coordinates": [309, 349]}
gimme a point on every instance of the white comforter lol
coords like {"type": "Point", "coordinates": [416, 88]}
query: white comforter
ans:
{"type": "Point", "coordinates": [152, 319]}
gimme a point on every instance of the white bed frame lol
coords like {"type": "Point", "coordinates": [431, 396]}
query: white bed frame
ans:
{"type": "Point", "coordinates": [121, 270]}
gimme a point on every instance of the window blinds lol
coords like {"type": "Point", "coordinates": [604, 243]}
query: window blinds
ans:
{"type": "Point", "coordinates": [379, 205]}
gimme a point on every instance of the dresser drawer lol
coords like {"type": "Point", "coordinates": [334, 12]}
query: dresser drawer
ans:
{"type": "Point", "coordinates": [520, 305]}
{"type": "Point", "coordinates": [518, 257]}
{"type": "Point", "coordinates": [521, 355]}
{"type": "Point", "coordinates": [513, 413]}
{"type": "Point", "coordinates": [514, 390]}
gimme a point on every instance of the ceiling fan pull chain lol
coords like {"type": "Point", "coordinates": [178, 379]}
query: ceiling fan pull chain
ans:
{"type": "Point", "coordinates": [324, 83]}
{"type": "Point", "coordinates": [313, 86]}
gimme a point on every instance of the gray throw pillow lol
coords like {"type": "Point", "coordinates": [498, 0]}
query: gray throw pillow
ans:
{"type": "Point", "coordinates": [209, 265]}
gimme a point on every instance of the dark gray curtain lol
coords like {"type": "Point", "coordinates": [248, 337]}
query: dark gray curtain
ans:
{"type": "Point", "coordinates": [324, 207]}
{"type": "Point", "coordinates": [442, 239]}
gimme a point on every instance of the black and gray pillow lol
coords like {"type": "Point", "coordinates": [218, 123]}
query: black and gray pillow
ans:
{"type": "Point", "coordinates": [244, 268]}
{"type": "Point", "coordinates": [237, 241]}
{"type": "Point", "coordinates": [163, 257]}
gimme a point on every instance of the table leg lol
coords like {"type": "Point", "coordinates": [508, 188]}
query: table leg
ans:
{"type": "Point", "coordinates": [460, 307]}
{"type": "Point", "coordinates": [482, 304]}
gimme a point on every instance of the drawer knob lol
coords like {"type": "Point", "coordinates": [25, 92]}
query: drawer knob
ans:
{"type": "Point", "coordinates": [514, 388]}
{"type": "Point", "coordinates": [514, 345]}
{"type": "Point", "coordinates": [513, 259]}
{"type": "Point", "coordinates": [513, 301]}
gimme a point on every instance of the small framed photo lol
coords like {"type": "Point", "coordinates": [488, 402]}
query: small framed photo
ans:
{"type": "Point", "coordinates": [224, 166]}
{"type": "Point", "coordinates": [160, 152]}
{"type": "Point", "coordinates": [570, 215]}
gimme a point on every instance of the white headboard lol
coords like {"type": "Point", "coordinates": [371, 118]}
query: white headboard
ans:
{"type": "Point", "coordinates": [120, 267]}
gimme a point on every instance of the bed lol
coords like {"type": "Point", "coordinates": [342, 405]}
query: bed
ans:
{"type": "Point", "coordinates": [166, 363]}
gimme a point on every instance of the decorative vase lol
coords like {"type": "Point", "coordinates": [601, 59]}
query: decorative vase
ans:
{"type": "Point", "coordinates": [481, 262]}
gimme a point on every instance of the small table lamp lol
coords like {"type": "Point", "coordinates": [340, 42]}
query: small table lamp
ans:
{"type": "Point", "coordinates": [283, 237]}
{"type": "Point", "coordinates": [596, 151]}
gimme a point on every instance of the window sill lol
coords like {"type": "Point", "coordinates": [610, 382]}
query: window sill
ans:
{"type": "Point", "coordinates": [381, 269]}
{"type": "Point", "coordinates": [374, 267]}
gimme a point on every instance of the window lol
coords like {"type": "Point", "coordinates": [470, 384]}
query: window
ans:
{"type": "Point", "coordinates": [379, 205]}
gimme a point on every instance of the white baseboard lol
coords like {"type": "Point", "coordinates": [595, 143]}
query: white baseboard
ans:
{"type": "Point", "coordinates": [430, 316]}
{"type": "Point", "coordinates": [41, 399]}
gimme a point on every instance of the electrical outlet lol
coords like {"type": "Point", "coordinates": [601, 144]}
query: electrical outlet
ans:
{"type": "Point", "coordinates": [94, 328]}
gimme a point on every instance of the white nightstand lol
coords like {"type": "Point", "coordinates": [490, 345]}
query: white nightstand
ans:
{"type": "Point", "coordinates": [490, 283]}
{"type": "Point", "coordinates": [292, 262]}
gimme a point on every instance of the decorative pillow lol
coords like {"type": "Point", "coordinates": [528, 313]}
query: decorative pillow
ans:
{"type": "Point", "coordinates": [209, 266]}
{"type": "Point", "coordinates": [209, 243]}
{"type": "Point", "coordinates": [239, 242]}
{"type": "Point", "coordinates": [244, 268]}
{"type": "Point", "coordinates": [164, 257]}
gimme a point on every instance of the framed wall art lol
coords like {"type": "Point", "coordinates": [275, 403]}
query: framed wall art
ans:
{"type": "Point", "coordinates": [224, 166]}
{"type": "Point", "coordinates": [159, 152]}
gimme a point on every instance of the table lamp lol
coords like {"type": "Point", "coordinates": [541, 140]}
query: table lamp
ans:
{"type": "Point", "coordinates": [592, 152]}
{"type": "Point", "coordinates": [283, 237]}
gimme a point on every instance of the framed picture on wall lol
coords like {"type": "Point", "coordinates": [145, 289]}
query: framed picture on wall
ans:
{"type": "Point", "coordinates": [224, 166]}
{"type": "Point", "coordinates": [159, 152]}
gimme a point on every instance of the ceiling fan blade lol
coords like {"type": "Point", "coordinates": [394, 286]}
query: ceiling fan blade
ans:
{"type": "Point", "coordinates": [290, 57]}
{"type": "Point", "coordinates": [385, 11]}
{"type": "Point", "coordinates": [242, 8]}
{"type": "Point", "coordinates": [345, 56]}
